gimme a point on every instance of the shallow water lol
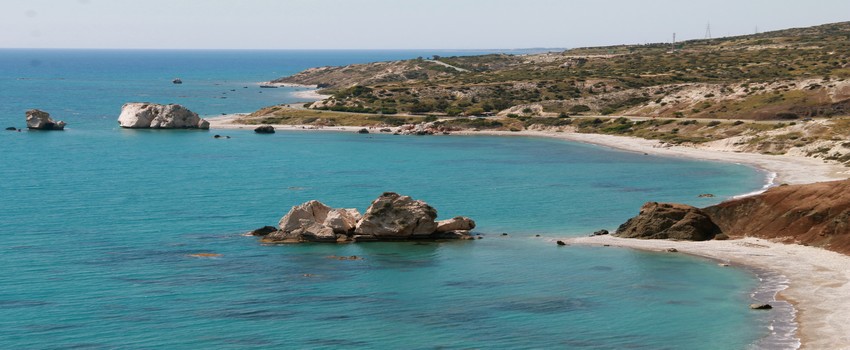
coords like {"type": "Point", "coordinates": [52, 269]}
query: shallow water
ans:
{"type": "Point", "coordinates": [99, 224]}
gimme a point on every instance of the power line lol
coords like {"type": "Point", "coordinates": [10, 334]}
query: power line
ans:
{"type": "Point", "coordinates": [708, 30]}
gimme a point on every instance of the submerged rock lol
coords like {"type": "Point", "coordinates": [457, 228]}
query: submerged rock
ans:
{"type": "Point", "coordinates": [40, 120]}
{"type": "Point", "coordinates": [138, 115]}
{"type": "Point", "coordinates": [669, 221]}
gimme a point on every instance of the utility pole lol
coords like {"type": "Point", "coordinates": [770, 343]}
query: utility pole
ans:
{"type": "Point", "coordinates": [673, 46]}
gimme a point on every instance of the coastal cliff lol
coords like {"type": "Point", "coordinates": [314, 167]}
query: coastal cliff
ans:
{"type": "Point", "coordinates": [814, 215]}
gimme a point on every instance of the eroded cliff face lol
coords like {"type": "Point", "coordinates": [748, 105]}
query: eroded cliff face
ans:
{"type": "Point", "coordinates": [815, 214]}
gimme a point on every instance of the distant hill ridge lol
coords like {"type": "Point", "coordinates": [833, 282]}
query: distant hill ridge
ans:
{"type": "Point", "coordinates": [798, 72]}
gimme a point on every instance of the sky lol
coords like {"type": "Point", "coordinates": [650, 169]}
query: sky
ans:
{"type": "Point", "coordinates": [392, 24]}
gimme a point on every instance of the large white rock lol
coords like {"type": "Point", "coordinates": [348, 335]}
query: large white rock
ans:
{"type": "Point", "coordinates": [40, 120]}
{"type": "Point", "coordinates": [397, 217]}
{"type": "Point", "coordinates": [139, 115]}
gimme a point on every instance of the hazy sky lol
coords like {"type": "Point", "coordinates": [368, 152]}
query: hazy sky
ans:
{"type": "Point", "coordinates": [392, 24]}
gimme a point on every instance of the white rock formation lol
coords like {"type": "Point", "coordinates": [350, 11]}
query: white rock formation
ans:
{"type": "Point", "coordinates": [139, 115]}
{"type": "Point", "coordinates": [40, 120]}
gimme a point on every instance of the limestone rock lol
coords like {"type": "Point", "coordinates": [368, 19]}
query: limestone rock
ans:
{"type": "Point", "coordinates": [342, 221]}
{"type": "Point", "coordinates": [316, 222]}
{"type": "Point", "coordinates": [304, 215]}
{"type": "Point", "coordinates": [396, 216]}
{"type": "Point", "coordinates": [669, 221]}
{"type": "Point", "coordinates": [315, 232]}
{"type": "Point", "coordinates": [40, 120]}
{"type": "Point", "coordinates": [458, 223]}
{"type": "Point", "coordinates": [138, 115]}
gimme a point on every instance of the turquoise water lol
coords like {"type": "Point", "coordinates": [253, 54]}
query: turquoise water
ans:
{"type": "Point", "coordinates": [98, 225]}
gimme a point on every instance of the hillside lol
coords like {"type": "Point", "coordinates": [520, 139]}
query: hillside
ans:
{"type": "Point", "coordinates": [787, 74]}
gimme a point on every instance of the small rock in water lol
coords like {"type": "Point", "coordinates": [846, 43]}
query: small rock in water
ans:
{"type": "Point", "coordinates": [504, 234]}
{"type": "Point", "coordinates": [40, 120]}
{"type": "Point", "coordinates": [11, 128]}
{"type": "Point", "coordinates": [217, 136]}
{"type": "Point", "coordinates": [263, 231]}
{"type": "Point", "coordinates": [264, 129]}
{"type": "Point", "coordinates": [536, 235]}
{"type": "Point", "coordinates": [561, 243]}
{"type": "Point", "coordinates": [706, 195]}
{"type": "Point", "coordinates": [760, 306]}
{"type": "Point", "coordinates": [601, 233]}
{"type": "Point", "coordinates": [363, 131]}
{"type": "Point", "coordinates": [672, 250]}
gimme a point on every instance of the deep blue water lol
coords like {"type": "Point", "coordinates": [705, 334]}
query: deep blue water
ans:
{"type": "Point", "coordinates": [98, 224]}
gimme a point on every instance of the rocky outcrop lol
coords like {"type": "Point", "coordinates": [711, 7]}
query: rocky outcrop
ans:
{"type": "Point", "coordinates": [396, 216]}
{"type": "Point", "coordinates": [669, 221]}
{"type": "Point", "coordinates": [40, 120]}
{"type": "Point", "coordinates": [815, 214]}
{"type": "Point", "coordinates": [155, 116]}
{"type": "Point", "coordinates": [391, 217]}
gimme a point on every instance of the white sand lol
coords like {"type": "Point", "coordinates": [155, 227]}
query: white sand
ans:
{"type": "Point", "coordinates": [310, 95]}
{"type": "Point", "coordinates": [819, 279]}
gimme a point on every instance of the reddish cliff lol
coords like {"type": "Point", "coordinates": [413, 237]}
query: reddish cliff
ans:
{"type": "Point", "coordinates": [815, 214]}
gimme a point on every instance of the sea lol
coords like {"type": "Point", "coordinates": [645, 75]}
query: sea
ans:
{"type": "Point", "coordinates": [100, 227]}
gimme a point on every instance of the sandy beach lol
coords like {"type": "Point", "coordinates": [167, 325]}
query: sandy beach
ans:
{"type": "Point", "coordinates": [818, 280]}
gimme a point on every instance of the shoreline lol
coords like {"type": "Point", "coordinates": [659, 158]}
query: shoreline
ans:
{"type": "Point", "coordinates": [812, 274]}
{"type": "Point", "coordinates": [782, 169]}
{"type": "Point", "coordinates": [818, 280]}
